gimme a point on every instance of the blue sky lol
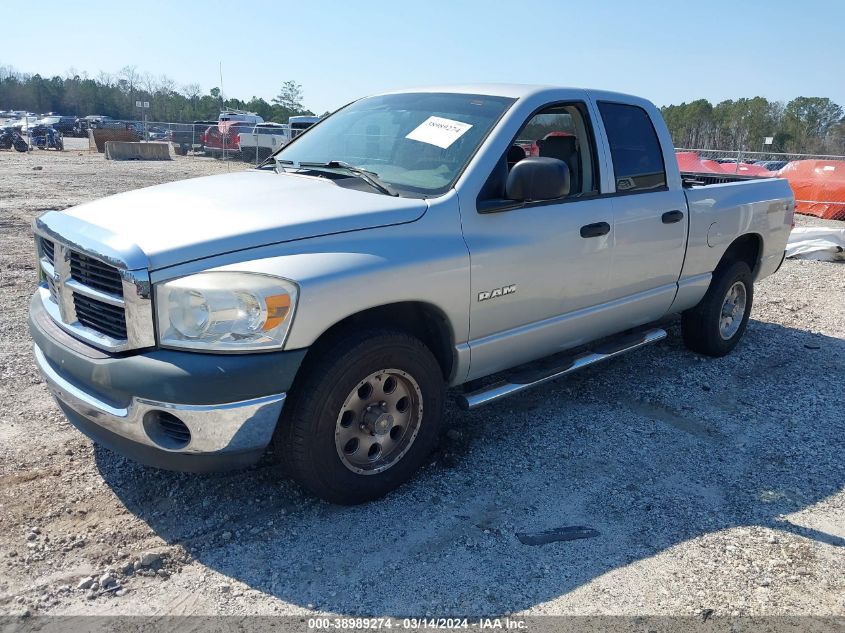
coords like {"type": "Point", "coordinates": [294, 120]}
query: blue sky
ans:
{"type": "Point", "coordinates": [666, 51]}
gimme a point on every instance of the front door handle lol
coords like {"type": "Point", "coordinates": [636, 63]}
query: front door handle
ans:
{"type": "Point", "coordinates": [670, 217]}
{"type": "Point", "coordinates": [595, 230]}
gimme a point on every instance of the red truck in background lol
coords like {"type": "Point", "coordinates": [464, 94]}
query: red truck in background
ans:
{"type": "Point", "coordinates": [223, 139]}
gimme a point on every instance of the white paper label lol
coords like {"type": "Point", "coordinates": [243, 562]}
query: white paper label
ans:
{"type": "Point", "coordinates": [439, 131]}
{"type": "Point", "coordinates": [829, 168]}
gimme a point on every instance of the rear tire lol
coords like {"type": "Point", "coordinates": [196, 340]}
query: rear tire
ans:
{"type": "Point", "coordinates": [718, 322]}
{"type": "Point", "coordinates": [345, 435]}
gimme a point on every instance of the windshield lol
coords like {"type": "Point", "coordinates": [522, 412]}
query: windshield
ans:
{"type": "Point", "coordinates": [418, 143]}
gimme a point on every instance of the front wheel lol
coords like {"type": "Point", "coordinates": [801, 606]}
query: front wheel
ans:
{"type": "Point", "coordinates": [717, 323]}
{"type": "Point", "coordinates": [363, 417]}
{"type": "Point", "coordinates": [21, 146]}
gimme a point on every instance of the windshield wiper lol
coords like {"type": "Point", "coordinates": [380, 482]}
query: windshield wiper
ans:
{"type": "Point", "coordinates": [271, 159]}
{"type": "Point", "coordinates": [370, 177]}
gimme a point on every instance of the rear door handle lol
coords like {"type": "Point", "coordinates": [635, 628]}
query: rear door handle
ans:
{"type": "Point", "coordinates": [670, 217]}
{"type": "Point", "coordinates": [595, 230]}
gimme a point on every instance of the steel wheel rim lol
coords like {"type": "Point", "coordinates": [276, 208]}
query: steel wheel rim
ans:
{"type": "Point", "coordinates": [733, 310]}
{"type": "Point", "coordinates": [379, 421]}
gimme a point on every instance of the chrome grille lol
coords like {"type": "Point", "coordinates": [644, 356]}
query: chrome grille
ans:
{"type": "Point", "coordinates": [48, 249]}
{"type": "Point", "coordinates": [100, 316]}
{"type": "Point", "coordinates": [88, 289]}
{"type": "Point", "coordinates": [51, 285]}
{"type": "Point", "coordinates": [95, 274]}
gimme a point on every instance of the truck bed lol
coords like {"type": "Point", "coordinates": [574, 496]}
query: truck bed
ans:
{"type": "Point", "coordinates": [693, 179]}
{"type": "Point", "coordinates": [721, 211]}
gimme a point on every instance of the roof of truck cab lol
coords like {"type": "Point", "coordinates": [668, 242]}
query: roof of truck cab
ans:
{"type": "Point", "coordinates": [515, 91]}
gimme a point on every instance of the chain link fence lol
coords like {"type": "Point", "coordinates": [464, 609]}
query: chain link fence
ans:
{"type": "Point", "coordinates": [225, 140]}
{"type": "Point", "coordinates": [771, 160]}
{"type": "Point", "coordinates": [817, 180]}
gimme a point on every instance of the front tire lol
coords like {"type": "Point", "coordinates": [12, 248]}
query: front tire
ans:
{"type": "Point", "coordinates": [363, 416]}
{"type": "Point", "coordinates": [718, 322]}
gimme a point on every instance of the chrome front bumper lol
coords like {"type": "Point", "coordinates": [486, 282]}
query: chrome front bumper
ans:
{"type": "Point", "coordinates": [244, 427]}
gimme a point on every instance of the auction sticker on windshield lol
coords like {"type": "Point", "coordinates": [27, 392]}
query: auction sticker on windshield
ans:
{"type": "Point", "coordinates": [438, 131]}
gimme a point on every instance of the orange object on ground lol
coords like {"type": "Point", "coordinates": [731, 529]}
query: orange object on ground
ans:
{"type": "Point", "coordinates": [819, 187]}
{"type": "Point", "coordinates": [746, 169]}
{"type": "Point", "coordinates": [692, 163]}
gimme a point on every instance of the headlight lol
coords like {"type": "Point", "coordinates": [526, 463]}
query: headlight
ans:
{"type": "Point", "coordinates": [225, 311]}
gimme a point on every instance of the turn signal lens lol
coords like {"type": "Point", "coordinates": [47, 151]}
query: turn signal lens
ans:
{"type": "Point", "coordinates": [278, 307]}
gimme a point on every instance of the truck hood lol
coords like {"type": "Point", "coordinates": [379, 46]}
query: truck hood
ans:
{"type": "Point", "coordinates": [191, 219]}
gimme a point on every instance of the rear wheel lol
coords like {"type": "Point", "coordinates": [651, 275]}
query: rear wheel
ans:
{"type": "Point", "coordinates": [718, 322]}
{"type": "Point", "coordinates": [363, 417]}
{"type": "Point", "coordinates": [21, 146]}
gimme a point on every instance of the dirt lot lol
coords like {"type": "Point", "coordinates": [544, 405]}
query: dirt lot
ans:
{"type": "Point", "coordinates": [714, 485]}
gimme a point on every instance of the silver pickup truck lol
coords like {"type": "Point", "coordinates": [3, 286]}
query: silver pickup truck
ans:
{"type": "Point", "coordinates": [409, 242]}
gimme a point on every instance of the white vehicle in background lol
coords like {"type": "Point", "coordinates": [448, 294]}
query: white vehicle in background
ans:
{"type": "Point", "coordinates": [298, 124]}
{"type": "Point", "coordinates": [227, 117]}
{"type": "Point", "coordinates": [266, 138]}
{"type": "Point", "coordinates": [23, 123]}
{"type": "Point", "coordinates": [263, 140]}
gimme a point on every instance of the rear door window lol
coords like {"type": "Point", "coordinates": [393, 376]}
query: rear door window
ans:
{"type": "Point", "coordinates": [634, 147]}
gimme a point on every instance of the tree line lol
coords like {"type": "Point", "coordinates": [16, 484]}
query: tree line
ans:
{"type": "Point", "coordinates": [115, 95]}
{"type": "Point", "coordinates": [804, 125]}
{"type": "Point", "coordinates": [812, 125]}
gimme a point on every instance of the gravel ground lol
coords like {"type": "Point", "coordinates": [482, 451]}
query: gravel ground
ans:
{"type": "Point", "coordinates": [712, 485]}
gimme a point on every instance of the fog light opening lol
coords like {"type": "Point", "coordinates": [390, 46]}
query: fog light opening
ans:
{"type": "Point", "coordinates": [166, 430]}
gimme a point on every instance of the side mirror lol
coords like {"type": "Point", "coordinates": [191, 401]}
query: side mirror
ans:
{"type": "Point", "coordinates": [538, 178]}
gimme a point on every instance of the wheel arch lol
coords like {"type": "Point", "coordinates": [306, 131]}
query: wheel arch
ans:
{"type": "Point", "coordinates": [746, 248]}
{"type": "Point", "coordinates": [421, 319]}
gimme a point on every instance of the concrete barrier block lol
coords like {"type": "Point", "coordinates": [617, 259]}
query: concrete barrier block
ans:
{"type": "Point", "coordinates": [122, 150]}
{"type": "Point", "coordinates": [101, 136]}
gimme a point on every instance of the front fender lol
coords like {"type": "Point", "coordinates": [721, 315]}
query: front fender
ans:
{"type": "Point", "coordinates": [340, 275]}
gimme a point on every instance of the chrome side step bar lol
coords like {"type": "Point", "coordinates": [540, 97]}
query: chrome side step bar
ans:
{"type": "Point", "coordinates": [526, 380]}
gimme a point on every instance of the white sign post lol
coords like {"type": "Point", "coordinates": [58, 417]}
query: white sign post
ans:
{"type": "Point", "coordinates": [143, 106]}
{"type": "Point", "coordinates": [767, 141]}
